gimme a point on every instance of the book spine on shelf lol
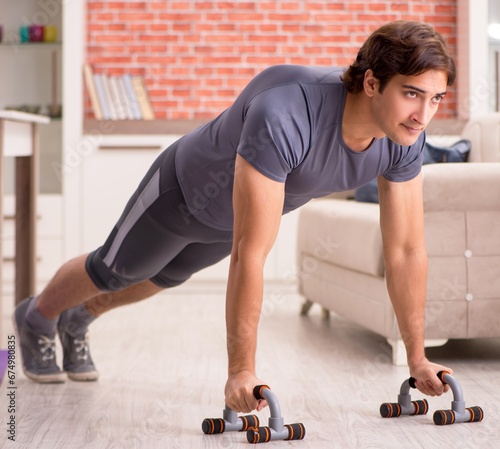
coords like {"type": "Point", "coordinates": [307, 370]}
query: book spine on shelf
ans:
{"type": "Point", "coordinates": [116, 100]}
{"type": "Point", "coordinates": [91, 89]}
{"type": "Point", "coordinates": [101, 94]}
{"type": "Point", "coordinates": [127, 109]}
{"type": "Point", "coordinates": [131, 98]}
{"type": "Point", "coordinates": [109, 98]}
{"type": "Point", "coordinates": [143, 98]}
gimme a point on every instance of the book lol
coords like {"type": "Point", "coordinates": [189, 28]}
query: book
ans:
{"type": "Point", "coordinates": [116, 99]}
{"type": "Point", "coordinates": [124, 99]}
{"type": "Point", "coordinates": [142, 96]}
{"type": "Point", "coordinates": [131, 98]}
{"type": "Point", "coordinates": [108, 97]}
{"type": "Point", "coordinates": [101, 95]}
{"type": "Point", "coordinates": [91, 89]}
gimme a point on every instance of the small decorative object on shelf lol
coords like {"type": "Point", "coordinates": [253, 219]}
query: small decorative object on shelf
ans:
{"type": "Point", "coordinates": [36, 33]}
{"type": "Point", "coordinates": [24, 33]}
{"type": "Point", "coordinates": [50, 33]}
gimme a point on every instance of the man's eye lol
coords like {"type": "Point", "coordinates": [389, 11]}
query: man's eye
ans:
{"type": "Point", "coordinates": [411, 94]}
{"type": "Point", "coordinates": [438, 98]}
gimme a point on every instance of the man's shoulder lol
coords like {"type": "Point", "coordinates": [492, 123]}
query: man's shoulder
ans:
{"type": "Point", "coordinates": [289, 73]}
{"type": "Point", "coordinates": [290, 85]}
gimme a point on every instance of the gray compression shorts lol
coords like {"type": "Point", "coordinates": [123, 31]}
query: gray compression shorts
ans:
{"type": "Point", "coordinates": [153, 239]}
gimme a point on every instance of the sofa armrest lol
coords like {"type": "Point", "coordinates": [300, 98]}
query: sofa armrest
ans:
{"type": "Point", "coordinates": [461, 187]}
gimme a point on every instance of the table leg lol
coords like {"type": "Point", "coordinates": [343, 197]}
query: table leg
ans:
{"type": "Point", "coordinates": [26, 211]}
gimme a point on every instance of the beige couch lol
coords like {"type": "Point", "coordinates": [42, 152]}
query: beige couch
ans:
{"type": "Point", "coordinates": [340, 260]}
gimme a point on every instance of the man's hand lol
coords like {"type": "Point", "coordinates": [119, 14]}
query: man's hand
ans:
{"type": "Point", "coordinates": [427, 381]}
{"type": "Point", "coordinates": [239, 392]}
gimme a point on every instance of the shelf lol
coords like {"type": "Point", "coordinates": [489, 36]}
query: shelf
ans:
{"type": "Point", "coordinates": [160, 127]}
{"type": "Point", "coordinates": [31, 45]}
{"type": "Point", "coordinates": [181, 127]}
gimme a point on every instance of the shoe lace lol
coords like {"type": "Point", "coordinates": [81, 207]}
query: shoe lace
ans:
{"type": "Point", "coordinates": [82, 347]}
{"type": "Point", "coordinates": [47, 348]}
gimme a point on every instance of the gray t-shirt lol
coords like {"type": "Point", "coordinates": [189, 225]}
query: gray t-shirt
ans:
{"type": "Point", "coordinates": [287, 123]}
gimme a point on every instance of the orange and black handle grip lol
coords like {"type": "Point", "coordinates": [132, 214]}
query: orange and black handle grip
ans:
{"type": "Point", "coordinates": [264, 434]}
{"type": "Point", "coordinates": [404, 406]}
{"type": "Point", "coordinates": [395, 409]}
{"type": "Point", "coordinates": [441, 375]}
{"type": "Point", "coordinates": [445, 417]}
{"type": "Point", "coordinates": [211, 426]}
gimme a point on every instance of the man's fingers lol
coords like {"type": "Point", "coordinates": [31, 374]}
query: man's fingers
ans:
{"type": "Point", "coordinates": [436, 386]}
{"type": "Point", "coordinates": [262, 405]}
{"type": "Point", "coordinates": [245, 404]}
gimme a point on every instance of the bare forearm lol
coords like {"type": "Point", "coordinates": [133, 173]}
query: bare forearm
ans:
{"type": "Point", "coordinates": [243, 306]}
{"type": "Point", "coordinates": [406, 282]}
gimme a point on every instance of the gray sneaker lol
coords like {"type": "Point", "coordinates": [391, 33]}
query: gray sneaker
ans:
{"type": "Point", "coordinates": [77, 361]}
{"type": "Point", "coordinates": [38, 351]}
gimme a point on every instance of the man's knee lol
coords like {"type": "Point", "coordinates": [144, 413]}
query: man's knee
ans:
{"type": "Point", "coordinates": [104, 278]}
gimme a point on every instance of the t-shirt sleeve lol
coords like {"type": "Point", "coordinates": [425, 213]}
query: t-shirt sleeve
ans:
{"type": "Point", "coordinates": [409, 164]}
{"type": "Point", "coordinates": [275, 132]}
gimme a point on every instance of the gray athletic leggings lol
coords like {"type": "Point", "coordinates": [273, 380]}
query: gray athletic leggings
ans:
{"type": "Point", "coordinates": [153, 240]}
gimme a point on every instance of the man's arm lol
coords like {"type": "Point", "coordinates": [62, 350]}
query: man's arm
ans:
{"type": "Point", "coordinates": [405, 258]}
{"type": "Point", "coordinates": [258, 205]}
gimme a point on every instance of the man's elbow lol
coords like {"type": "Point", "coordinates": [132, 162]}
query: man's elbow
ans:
{"type": "Point", "coordinates": [405, 255]}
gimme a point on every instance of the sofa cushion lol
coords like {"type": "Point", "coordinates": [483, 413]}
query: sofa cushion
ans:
{"type": "Point", "coordinates": [342, 233]}
{"type": "Point", "coordinates": [484, 133]}
{"type": "Point", "coordinates": [471, 186]}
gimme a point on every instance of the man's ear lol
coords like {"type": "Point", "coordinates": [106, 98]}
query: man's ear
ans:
{"type": "Point", "coordinates": [370, 83]}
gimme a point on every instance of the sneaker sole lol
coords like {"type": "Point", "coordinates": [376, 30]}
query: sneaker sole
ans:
{"type": "Point", "coordinates": [57, 378]}
{"type": "Point", "coordinates": [91, 376]}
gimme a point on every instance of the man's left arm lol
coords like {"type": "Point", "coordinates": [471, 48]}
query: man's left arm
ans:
{"type": "Point", "coordinates": [405, 258]}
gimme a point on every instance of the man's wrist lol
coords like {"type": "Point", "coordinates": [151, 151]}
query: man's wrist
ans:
{"type": "Point", "coordinates": [235, 372]}
{"type": "Point", "coordinates": [416, 360]}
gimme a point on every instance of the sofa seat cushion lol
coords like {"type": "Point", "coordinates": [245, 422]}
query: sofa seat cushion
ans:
{"type": "Point", "coordinates": [342, 233]}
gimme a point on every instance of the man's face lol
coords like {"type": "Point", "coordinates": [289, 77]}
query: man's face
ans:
{"type": "Point", "coordinates": [407, 104]}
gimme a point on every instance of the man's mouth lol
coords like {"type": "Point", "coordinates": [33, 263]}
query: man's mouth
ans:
{"type": "Point", "coordinates": [413, 129]}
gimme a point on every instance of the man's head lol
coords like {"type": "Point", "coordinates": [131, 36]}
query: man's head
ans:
{"type": "Point", "coordinates": [399, 48]}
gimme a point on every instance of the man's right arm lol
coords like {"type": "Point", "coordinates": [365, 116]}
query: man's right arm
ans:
{"type": "Point", "coordinates": [258, 205]}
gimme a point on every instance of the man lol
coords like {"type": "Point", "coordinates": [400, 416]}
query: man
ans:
{"type": "Point", "coordinates": [293, 134]}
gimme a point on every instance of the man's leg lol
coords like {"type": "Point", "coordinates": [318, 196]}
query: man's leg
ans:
{"type": "Point", "coordinates": [73, 325]}
{"type": "Point", "coordinates": [137, 248]}
{"type": "Point", "coordinates": [70, 302]}
{"type": "Point", "coordinates": [72, 286]}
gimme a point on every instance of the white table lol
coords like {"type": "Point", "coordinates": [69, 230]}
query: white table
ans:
{"type": "Point", "coordinates": [19, 139]}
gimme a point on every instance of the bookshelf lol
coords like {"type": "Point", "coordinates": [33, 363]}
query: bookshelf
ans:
{"type": "Point", "coordinates": [32, 81]}
{"type": "Point", "coordinates": [43, 74]}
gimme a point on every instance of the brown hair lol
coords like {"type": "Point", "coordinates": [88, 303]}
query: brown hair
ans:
{"type": "Point", "coordinates": [399, 48]}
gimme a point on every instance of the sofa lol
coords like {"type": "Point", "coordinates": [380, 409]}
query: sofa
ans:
{"type": "Point", "coordinates": [340, 259]}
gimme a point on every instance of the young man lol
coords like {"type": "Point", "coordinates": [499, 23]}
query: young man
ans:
{"type": "Point", "coordinates": [294, 133]}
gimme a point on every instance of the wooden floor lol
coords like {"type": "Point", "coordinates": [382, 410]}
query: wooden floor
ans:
{"type": "Point", "coordinates": [163, 368]}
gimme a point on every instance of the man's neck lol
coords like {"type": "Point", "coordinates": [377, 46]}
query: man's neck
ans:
{"type": "Point", "coordinates": [358, 124]}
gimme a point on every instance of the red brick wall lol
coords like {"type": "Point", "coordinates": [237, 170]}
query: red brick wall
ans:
{"type": "Point", "coordinates": [196, 56]}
